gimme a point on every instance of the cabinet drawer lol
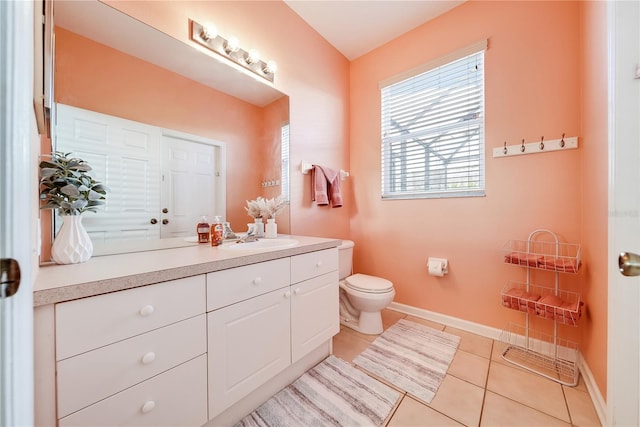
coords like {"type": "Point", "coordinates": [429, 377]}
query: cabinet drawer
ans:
{"type": "Point", "coordinates": [177, 397]}
{"type": "Point", "coordinates": [313, 264]}
{"type": "Point", "coordinates": [92, 376]}
{"type": "Point", "coordinates": [89, 323]}
{"type": "Point", "coordinates": [237, 284]}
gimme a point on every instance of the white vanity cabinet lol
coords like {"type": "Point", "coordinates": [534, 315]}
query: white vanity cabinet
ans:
{"type": "Point", "coordinates": [251, 340]}
{"type": "Point", "coordinates": [118, 356]}
{"type": "Point", "coordinates": [187, 336]}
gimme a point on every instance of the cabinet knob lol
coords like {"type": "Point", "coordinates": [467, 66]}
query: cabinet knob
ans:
{"type": "Point", "coordinates": [257, 280]}
{"type": "Point", "coordinates": [148, 406]}
{"type": "Point", "coordinates": [287, 294]}
{"type": "Point", "coordinates": [147, 310]}
{"type": "Point", "coordinates": [148, 358]}
{"type": "Point", "coordinates": [153, 221]}
{"type": "Point", "coordinates": [296, 291]}
{"type": "Point", "coordinates": [319, 264]}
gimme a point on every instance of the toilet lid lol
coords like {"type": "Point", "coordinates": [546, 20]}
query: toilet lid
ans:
{"type": "Point", "coordinates": [371, 284]}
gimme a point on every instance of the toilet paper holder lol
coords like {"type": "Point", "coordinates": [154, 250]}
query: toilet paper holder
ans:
{"type": "Point", "coordinates": [438, 266]}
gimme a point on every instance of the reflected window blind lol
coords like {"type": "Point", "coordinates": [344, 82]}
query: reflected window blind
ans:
{"type": "Point", "coordinates": [433, 131]}
{"type": "Point", "coordinates": [284, 172]}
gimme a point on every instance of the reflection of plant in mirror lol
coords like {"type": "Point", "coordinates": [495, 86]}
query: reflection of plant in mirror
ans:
{"type": "Point", "coordinates": [66, 185]}
{"type": "Point", "coordinates": [265, 208]}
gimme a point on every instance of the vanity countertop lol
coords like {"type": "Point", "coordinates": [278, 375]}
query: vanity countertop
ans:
{"type": "Point", "coordinates": [110, 273]}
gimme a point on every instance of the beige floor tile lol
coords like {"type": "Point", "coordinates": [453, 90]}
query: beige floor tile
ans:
{"type": "Point", "coordinates": [389, 317]}
{"type": "Point", "coordinates": [581, 408]}
{"type": "Point", "coordinates": [429, 323]}
{"type": "Point", "coordinates": [472, 343]}
{"type": "Point", "coordinates": [357, 335]}
{"type": "Point", "coordinates": [470, 367]}
{"type": "Point", "coordinates": [347, 347]}
{"type": "Point", "coordinates": [500, 411]}
{"type": "Point", "coordinates": [459, 400]}
{"type": "Point", "coordinates": [411, 413]}
{"type": "Point", "coordinates": [529, 389]}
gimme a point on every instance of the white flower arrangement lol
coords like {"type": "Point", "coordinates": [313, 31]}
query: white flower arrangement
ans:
{"type": "Point", "coordinates": [265, 208]}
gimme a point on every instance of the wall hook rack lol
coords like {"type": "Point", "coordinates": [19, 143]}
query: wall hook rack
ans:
{"type": "Point", "coordinates": [537, 147]}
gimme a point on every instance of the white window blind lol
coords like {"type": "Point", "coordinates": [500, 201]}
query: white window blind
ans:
{"type": "Point", "coordinates": [433, 129]}
{"type": "Point", "coordinates": [284, 153]}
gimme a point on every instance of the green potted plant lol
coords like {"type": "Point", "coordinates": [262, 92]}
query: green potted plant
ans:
{"type": "Point", "coordinates": [66, 185]}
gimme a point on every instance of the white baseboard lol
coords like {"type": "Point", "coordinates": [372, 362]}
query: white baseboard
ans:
{"type": "Point", "coordinates": [599, 403]}
{"type": "Point", "coordinates": [454, 322]}
{"type": "Point", "coordinates": [494, 333]}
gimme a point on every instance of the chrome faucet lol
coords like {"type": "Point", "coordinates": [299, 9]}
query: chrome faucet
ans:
{"type": "Point", "coordinates": [250, 237]}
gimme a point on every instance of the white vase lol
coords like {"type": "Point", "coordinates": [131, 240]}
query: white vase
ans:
{"type": "Point", "coordinates": [271, 229]}
{"type": "Point", "coordinates": [72, 244]}
{"type": "Point", "coordinates": [259, 232]}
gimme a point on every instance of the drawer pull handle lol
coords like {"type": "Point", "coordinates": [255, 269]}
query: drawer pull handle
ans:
{"type": "Point", "coordinates": [146, 310]}
{"type": "Point", "coordinates": [148, 358]}
{"type": "Point", "coordinates": [287, 294]}
{"type": "Point", "coordinates": [257, 280]}
{"type": "Point", "coordinates": [319, 264]}
{"type": "Point", "coordinates": [148, 406]}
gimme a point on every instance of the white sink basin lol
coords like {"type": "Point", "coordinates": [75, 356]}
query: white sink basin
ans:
{"type": "Point", "coordinates": [260, 245]}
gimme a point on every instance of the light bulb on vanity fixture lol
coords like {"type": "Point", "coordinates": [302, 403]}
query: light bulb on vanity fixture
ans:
{"type": "Point", "coordinates": [252, 56]}
{"type": "Point", "coordinates": [232, 45]}
{"type": "Point", "coordinates": [208, 32]}
{"type": "Point", "coordinates": [229, 48]}
{"type": "Point", "coordinates": [270, 67]}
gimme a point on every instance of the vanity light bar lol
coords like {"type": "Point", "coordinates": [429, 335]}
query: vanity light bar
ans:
{"type": "Point", "coordinates": [208, 37]}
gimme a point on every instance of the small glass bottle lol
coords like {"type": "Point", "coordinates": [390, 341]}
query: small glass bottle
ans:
{"type": "Point", "coordinates": [203, 230]}
{"type": "Point", "coordinates": [217, 232]}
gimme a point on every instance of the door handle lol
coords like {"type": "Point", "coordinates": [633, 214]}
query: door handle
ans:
{"type": "Point", "coordinates": [629, 264]}
{"type": "Point", "coordinates": [9, 277]}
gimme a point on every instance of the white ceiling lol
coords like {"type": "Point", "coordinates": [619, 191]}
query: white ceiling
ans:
{"type": "Point", "coordinates": [355, 27]}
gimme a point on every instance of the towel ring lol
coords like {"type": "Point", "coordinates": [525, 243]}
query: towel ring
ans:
{"type": "Point", "coordinates": [542, 143]}
{"type": "Point", "coordinates": [522, 148]}
{"type": "Point", "coordinates": [504, 150]}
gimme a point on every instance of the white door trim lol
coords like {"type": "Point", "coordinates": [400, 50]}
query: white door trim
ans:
{"type": "Point", "coordinates": [18, 134]}
{"type": "Point", "coordinates": [623, 352]}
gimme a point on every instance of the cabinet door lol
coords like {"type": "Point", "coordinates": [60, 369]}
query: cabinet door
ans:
{"type": "Point", "coordinates": [314, 313]}
{"type": "Point", "coordinates": [248, 343]}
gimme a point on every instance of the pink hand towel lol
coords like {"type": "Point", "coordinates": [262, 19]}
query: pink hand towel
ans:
{"type": "Point", "coordinates": [319, 192]}
{"type": "Point", "coordinates": [325, 186]}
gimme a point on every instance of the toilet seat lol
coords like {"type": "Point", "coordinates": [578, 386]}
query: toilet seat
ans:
{"type": "Point", "coordinates": [368, 284]}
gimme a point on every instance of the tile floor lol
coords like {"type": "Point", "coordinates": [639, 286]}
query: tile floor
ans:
{"type": "Point", "coordinates": [480, 388]}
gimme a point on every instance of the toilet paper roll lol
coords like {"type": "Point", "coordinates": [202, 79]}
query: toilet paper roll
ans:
{"type": "Point", "coordinates": [437, 267]}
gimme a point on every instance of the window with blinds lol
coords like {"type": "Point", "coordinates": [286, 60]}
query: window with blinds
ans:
{"type": "Point", "coordinates": [284, 166]}
{"type": "Point", "coordinates": [433, 129]}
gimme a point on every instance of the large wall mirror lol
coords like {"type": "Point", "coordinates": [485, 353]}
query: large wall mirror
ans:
{"type": "Point", "coordinates": [111, 64]}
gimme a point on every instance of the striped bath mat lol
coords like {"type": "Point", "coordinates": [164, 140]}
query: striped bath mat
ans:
{"type": "Point", "coordinates": [333, 393]}
{"type": "Point", "coordinates": [412, 357]}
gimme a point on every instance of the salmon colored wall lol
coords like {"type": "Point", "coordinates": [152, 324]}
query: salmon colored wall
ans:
{"type": "Point", "coordinates": [313, 73]}
{"type": "Point", "coordinates": [594, 125]}
{"type": "Point", "coordinates": [531, 90]}
{"type": "Point", "coordinates": [98, 78]}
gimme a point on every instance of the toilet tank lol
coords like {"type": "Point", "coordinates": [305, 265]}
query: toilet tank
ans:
{"type": "Point", "coordinates": [345, 259]}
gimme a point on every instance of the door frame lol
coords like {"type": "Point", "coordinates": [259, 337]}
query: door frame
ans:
{"type": "Point", "coordinates": [18, 202]}
{"type": "Point", "coordinates": [623, 352]}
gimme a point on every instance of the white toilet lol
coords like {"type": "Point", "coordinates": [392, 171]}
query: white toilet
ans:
{"type": "Point", "coordinates": [362, 297]}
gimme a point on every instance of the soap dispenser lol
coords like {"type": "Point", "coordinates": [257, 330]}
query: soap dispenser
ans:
{"type": "Point", "coordinates": [203, 230]}
{"type": "Point", "coordinates": [216, 231]}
